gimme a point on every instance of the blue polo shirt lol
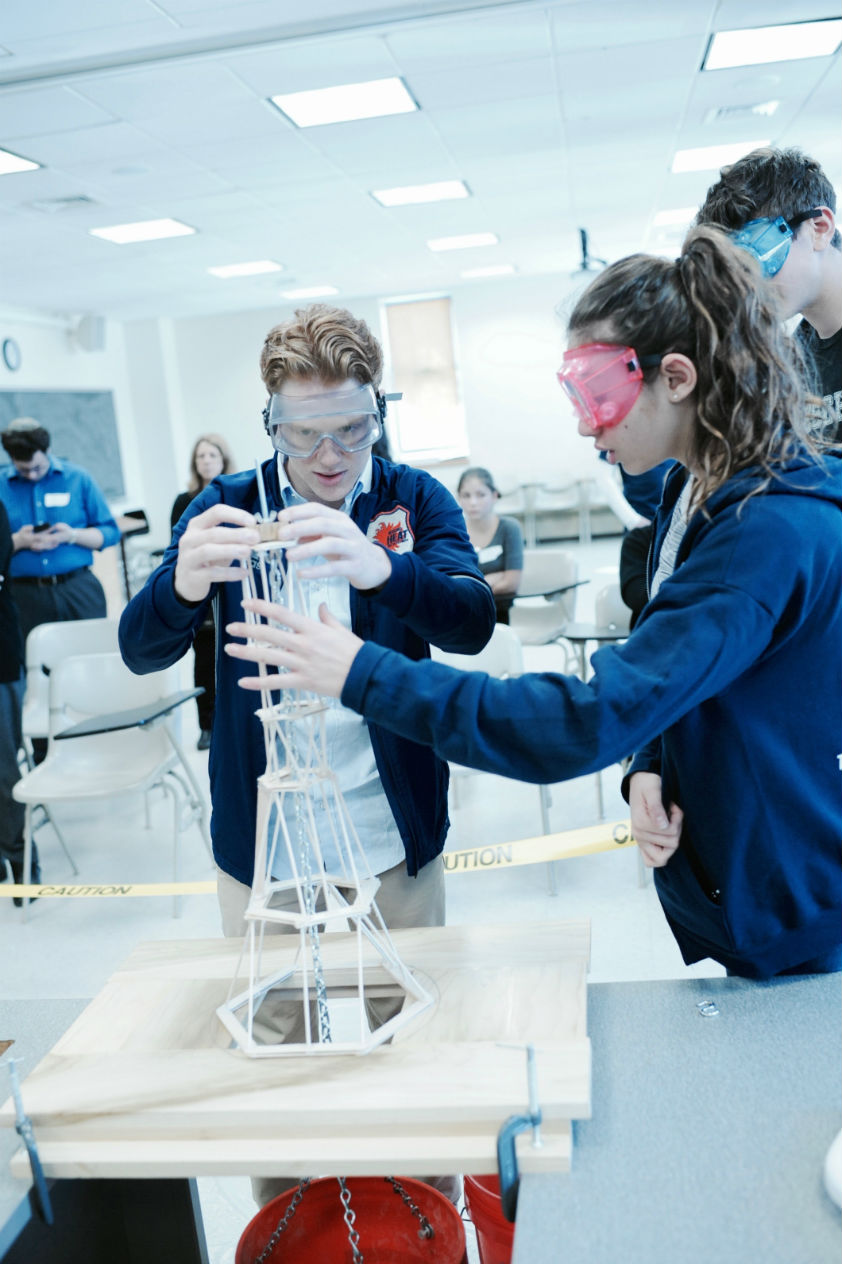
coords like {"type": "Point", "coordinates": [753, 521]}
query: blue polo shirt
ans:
{"type": "Point", "coordinates": [66, 493]}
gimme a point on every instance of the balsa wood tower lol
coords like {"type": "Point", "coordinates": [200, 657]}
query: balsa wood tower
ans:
{"type": "Point", "coordinates": [329, 884]}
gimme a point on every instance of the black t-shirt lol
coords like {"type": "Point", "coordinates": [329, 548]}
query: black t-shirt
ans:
{"type": "Point", "coordinates": [825, 356]}
{"type": "Point", "coordinates": [11, 641]}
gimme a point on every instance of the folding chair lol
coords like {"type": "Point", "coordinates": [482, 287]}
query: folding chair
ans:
{"type": "Point", "coordinates": [110, 736]}
{"type": "Point", "coordinates": [46, 645]}
{"type": "Point", "coordinates": [546, 598]}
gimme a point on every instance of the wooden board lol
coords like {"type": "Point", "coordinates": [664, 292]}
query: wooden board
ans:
{"type": "Point", "coordinates": [145, 1081]}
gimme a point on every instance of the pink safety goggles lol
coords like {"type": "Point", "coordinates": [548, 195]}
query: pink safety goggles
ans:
{"type": "Point", "coordinates": [603, 381]}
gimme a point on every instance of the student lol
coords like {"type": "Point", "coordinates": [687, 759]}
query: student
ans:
{"type": "Point", "coordinates": [59, 518]}
{"type": "Point", "coordinates": [497, 540]}
{"type": "Point", "coordinates": [210, 457]}
{"type": "Point", "coordinates": [729, 688]}
{"type": "Point", "coordinates": [388, 552]}
{"type": "Point", "coordinates": [781, 206]}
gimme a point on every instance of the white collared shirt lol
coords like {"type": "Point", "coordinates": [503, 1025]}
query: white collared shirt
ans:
{"type": "Point", "coordinates": [347, 743]}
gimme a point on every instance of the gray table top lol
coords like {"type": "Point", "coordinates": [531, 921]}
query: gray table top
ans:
{"type": "Point", "coordinates": [708, 1135]}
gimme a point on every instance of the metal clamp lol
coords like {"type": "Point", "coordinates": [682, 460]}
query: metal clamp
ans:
{"type": "Point", "coordinates": [506, 1153]}
{"type": "Point", "coordinates": [23, 1127]}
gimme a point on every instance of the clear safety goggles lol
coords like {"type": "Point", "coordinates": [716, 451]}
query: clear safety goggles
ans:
{"type": "Point", "coordinates": [352, 419]}
{"type": "Point", "coordinates": [769, 240]}
{"type": "Point", "coordinates": [603, 381]}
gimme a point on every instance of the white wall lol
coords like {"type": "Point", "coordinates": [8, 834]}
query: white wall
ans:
{"type": "Point", "coordinates": [509, 346]}
{"type": "Point", "coordinates": [51, 360]}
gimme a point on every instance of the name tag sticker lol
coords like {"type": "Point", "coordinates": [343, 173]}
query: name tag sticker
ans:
{"type": "Point", "coordinates": [56, 500]}
{"type": "Point", "coordinates": [491, 553]}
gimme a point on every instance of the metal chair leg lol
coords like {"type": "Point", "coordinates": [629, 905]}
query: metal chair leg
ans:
{"type": "Point", "coordinates": [27, 857]}
{"type": "Point", "coordinates": [194, 785]}
{"type": "Point", "coordinates": [49, 817]}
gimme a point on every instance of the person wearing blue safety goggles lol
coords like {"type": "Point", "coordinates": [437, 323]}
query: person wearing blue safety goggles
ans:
{"type": "Point", "coordinates": [780, 206]}
{"type": "Point", "coordinates": [769, 239]}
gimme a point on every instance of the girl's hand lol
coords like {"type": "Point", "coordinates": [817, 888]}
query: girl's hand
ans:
{"type": "Point", "coordinates": [316, 656]}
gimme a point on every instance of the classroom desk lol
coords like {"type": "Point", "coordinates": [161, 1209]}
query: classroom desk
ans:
{"type": "Point", "coordinates": [579, 634]}
{"type": "Point", "coordinates": [708, 1135]}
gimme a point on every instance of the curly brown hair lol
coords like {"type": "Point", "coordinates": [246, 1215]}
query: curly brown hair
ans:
{"type": "Point", "coordinates": [710, 305]}
{"type": "Point", "coordinates": [323, 342]}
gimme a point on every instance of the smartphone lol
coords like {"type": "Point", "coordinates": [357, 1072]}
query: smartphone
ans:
{"type": "Point", "coordinates": [41, 526]}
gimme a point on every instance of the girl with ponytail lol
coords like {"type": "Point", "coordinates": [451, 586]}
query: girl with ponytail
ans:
{"type": "Point", "coordinates": [728, 693]}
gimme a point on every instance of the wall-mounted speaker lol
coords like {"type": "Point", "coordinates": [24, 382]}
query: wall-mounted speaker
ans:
{"type": "Point", "coordinates": [89, 334]}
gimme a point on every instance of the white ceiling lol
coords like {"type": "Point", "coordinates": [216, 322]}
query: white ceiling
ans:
{"type": "Point", "coordinates": [558, 116]}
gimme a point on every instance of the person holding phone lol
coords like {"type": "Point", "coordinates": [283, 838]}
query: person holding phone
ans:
{"type": "Point", "coordinates": [59, 518]}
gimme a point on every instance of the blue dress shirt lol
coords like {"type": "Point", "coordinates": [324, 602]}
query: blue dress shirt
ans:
{"type": "Point", "coordinates": [66, 493]}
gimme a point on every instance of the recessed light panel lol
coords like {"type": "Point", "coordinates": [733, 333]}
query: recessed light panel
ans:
{"type": "Point", "coordinates": [756, 45]}
{"type": "Point", "coordinates": [712, 157]}
{"type": "Point", "coordinates": [466, 242]}
{"type": "Point", "coordinates": [313, 291]}
{"type": "Point", "coordinates": [143, 230]}
{"type": "Point", "coordinates": [500, 269]}
{"type": "Point", "coordinates": [441, 191]}
{"type": "Point", "coordinates": [346, 102]}
{"type": "Point", "coordinates": [246, 269]}
{"type": "Point", "coordinates": [10, 163]}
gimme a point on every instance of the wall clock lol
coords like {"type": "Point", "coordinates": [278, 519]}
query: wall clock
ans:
{"type": "Point", "coordinates": [11, 354]}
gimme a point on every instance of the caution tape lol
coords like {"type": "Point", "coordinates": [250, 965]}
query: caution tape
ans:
{"type": "Point", "coordinates": [108, 890]}
{"type": "Point", "coordinates": [610, 836]}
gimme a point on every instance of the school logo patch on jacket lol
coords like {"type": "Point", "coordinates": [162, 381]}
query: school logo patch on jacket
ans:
{"type": "Point", "coordinates": [391, 529]}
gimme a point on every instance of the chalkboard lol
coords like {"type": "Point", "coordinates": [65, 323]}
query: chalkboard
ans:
{"type": "Point", "coordinates": [82, 428]}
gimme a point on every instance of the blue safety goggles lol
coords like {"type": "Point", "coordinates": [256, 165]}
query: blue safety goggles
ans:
{"type": "Point", "coordinates": [769, 240]}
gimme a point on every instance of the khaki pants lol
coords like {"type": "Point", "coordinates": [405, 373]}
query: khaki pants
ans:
{"type": "Point", "coordinates": [403, 902]}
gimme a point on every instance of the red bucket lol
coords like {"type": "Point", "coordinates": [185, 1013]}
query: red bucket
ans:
{"type": "Point", "coordinates": [388, 1230]}
{"type": "Point", "coordinates": [495, 1234]}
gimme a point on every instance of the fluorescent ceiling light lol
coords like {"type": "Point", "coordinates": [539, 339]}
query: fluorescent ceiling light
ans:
{"type": "Point", "coordinates": [441, 191]}
{"type": "Point", "coordinates": [712, 157]}
{"type": "Point", "coordinates": [346, 102]}
{"type": "Point", "coordinates": [465, 242]}
{"type": "Point", "coordinates": [755, 45]}
{"type": "Point", "coordinates": [498, 269]}
{"type": "Point", "coordinates": [246, 269]}
{"type": "Point", "coordinates": [675, 218]}
{"type": "Point", "coordinates": [143, 230]}
{"type": "Point", "coordinates": [313, 291]}
{"type": "Point", "coordinates": [10, 163]}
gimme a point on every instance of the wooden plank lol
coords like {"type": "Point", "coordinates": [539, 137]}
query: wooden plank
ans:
{"type": "Point", "coordinates": [296, 1156]}
{"type": "Point", "coordinates": [175, 1093]}
{"type": "Point", "coordinates": [148, 1070]}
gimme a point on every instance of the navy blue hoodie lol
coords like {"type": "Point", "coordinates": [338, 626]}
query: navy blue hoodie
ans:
{"type": "Point", "coordinates": [435, 593]}
{"type": "Point", "coordinates": [730, 687]}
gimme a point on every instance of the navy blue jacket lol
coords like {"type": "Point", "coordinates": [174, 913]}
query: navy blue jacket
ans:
{"type": "Point", "coordinates": [733, 676]}
{"type": "Point", "coordinates": [435, 593]}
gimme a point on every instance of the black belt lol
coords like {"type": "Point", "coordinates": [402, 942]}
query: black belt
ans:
{"type": "Point", "coordinates": [48, 581]}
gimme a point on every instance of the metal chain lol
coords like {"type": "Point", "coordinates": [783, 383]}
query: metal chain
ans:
{"type": "Point", "coordinates": [325, 1036]}
{"type": "Point", "coordinates": [283, 1222]}
{"type": "Point", "coordinates": [350, 1217]}
{"type": "Point", "coordinates": [426, 1230]}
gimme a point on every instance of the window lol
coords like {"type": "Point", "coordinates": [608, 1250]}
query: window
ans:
{"type": "Point", "coordinates": [428, 424]}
